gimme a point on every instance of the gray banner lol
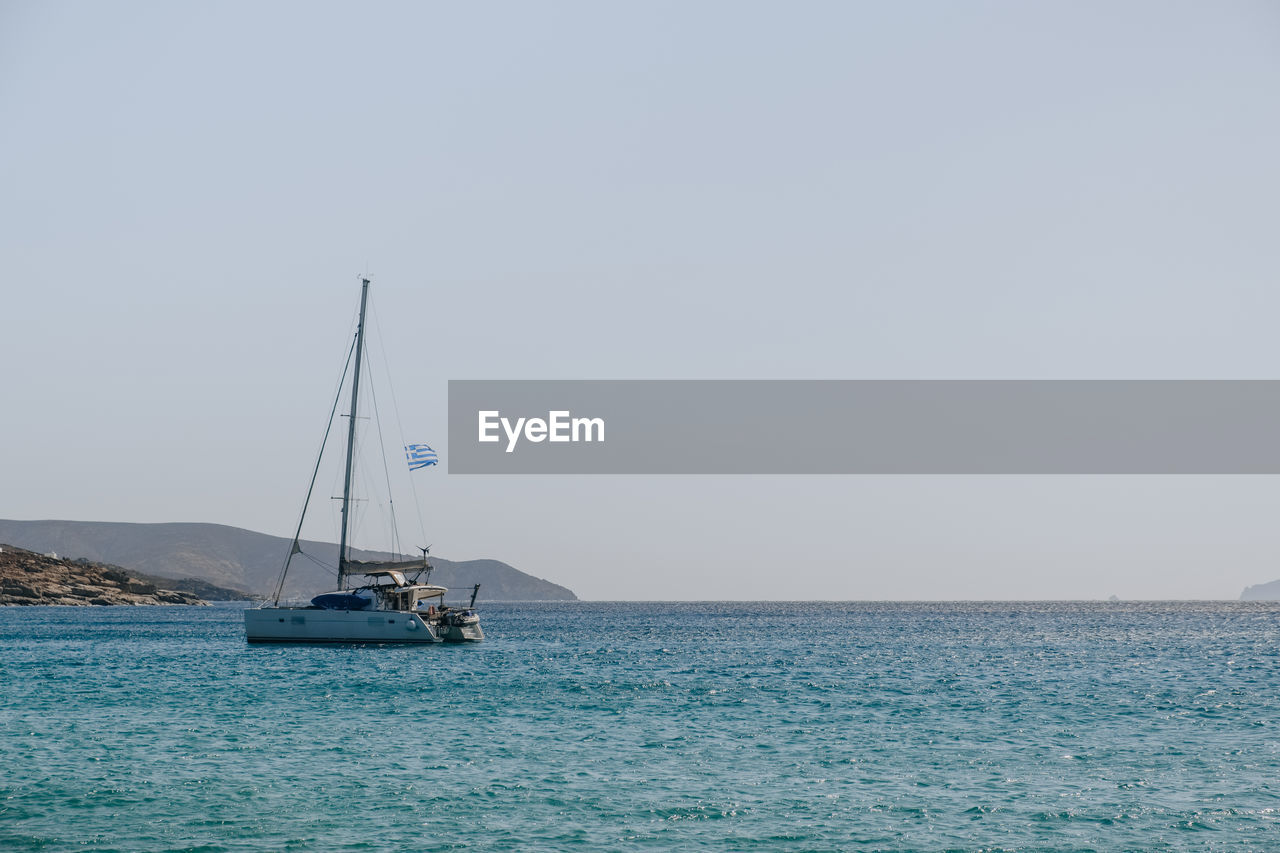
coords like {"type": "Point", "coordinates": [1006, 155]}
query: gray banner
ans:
{"type": "Point", "coordinates": [863, 427]}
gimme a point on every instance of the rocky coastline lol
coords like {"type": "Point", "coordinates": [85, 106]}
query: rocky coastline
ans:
{"type": "Point", "coordinates": [28, 578]}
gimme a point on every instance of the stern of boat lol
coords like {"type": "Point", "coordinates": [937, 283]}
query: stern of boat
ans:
{"type": "Point", "coordinates": [460, 628]}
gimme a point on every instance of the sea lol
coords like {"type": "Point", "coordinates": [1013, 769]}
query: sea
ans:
{"type": "Point", "coordinates": [650, 726]}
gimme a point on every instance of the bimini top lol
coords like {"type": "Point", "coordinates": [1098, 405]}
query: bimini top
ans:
{"type": "Point", "coordinates": [402, 585]}
{"type": "Point", "coordinates": [397, 577]}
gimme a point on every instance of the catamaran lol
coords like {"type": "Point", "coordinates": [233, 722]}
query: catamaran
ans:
{"type": "Point", "coordinates": [376, 601]}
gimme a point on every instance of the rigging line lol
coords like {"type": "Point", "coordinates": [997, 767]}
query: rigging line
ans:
{"type": "Point", "coordinates": [334, 511]}
{"type": "Point", "coordinates": [391, 506]}
{"type": "Point", "coordinates": [355, 511]}
{"type": "Point", "coordinates": [332, 569]}
{"type": "Point", "coordinates": [335, 500]}
{"type": "Point", "coordinates": [319, 562]}
{"type": "Point", "coordinates": [396, 544]}
{"type": "Point", "coordinates": [358, 511]}
{"type": "Point", "coordinates": [395, 407]}
{"type": "Point", "coordinates": [335, 514]}
{"type": "Point", "coordinates": [293, 547]}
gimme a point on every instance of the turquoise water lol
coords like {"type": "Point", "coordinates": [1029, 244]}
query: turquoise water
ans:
{"type": "Point", "coordinates": [651, 727]}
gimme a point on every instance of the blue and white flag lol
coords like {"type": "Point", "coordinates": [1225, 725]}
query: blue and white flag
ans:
{"type": "Point", "coordinates": [420, 456]}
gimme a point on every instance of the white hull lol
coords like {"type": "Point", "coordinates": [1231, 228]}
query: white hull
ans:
{"type": "Point", "coordinates": [312, 625]}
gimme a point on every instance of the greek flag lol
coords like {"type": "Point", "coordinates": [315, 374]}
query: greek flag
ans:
{"type": "Point", "coordinates": [420, 456]}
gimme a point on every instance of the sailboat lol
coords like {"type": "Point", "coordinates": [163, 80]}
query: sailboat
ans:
{"type": "Point", "coordinates": [376, 601]}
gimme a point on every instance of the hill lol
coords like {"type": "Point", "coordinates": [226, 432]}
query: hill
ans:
{"type": "Point", "coordinates": [1262, 592]}
{"type": "Point", "coordinates": [250, 561]}
{"type": "Point", "coordinates": [30, 578]}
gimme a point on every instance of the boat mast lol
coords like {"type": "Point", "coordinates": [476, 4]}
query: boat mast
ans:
{"type": "Point", "coordinates": [351, 438]}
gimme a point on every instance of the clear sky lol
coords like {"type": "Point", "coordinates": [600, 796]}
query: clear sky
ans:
{"type": "Point", "coordinates": [652, 190]}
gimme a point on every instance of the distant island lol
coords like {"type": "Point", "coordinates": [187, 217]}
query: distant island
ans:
{"type": "Point", "coordinates": [246, 563]}
{"type": "Point", "coordinates": [30, 578]}
{"type": "Point", "coordinates": [1262, 592]}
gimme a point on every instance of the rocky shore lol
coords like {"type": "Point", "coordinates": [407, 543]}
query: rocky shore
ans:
{"type": "Point", "coordinates": [30, 578]}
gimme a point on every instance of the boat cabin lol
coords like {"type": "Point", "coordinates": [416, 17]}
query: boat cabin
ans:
{"type": "Point", "coordinates": [399, 594]}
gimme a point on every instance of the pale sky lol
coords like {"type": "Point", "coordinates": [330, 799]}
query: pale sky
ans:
{"type": "Point", "coordinates": [657, 190]}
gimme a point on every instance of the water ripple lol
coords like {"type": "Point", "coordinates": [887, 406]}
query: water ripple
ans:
{"type": "Point", "coordinates": [650, 727]}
